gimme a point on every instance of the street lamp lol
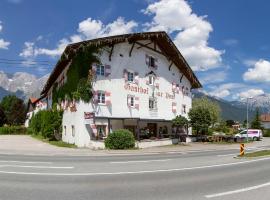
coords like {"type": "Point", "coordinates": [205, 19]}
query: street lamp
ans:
{"type": "Point", "coordinates": [247, 116]}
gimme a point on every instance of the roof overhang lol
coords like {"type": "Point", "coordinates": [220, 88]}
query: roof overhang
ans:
{"type": "Point", "coordinates": [161, 39]}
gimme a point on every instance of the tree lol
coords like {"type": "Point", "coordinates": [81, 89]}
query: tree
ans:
{"type": "Point", "coordinates": [180, 121]}
{"type": "Point", "coordinates": [200, 119]}
{"type": "Point", "coordinates": [211, 106]}
{"type": "Point", "coordinates": [3, 118]}
{"type": "Point", "coordinates": [256, 123]}
{"type": "Point", "coordinates": [229, 122]}
{"type": "Point", "coordinates": [14, 109]}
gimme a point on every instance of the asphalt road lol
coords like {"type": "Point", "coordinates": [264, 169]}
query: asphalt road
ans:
{"type": "Point", "coordinates": [190, 175]}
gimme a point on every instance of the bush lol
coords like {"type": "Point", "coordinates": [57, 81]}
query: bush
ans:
{"type": "Point", "coordinates": [266, 133]}
{"type": "Point", "coordinates": [120, 139]}
{"type": "Point", "coordinates": [13, 130]}
{"type": "Point", "coordinates": [46, 123]}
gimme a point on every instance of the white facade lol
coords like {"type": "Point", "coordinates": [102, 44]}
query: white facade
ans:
{"type": "Point", "coordinates": [172, 96]}
{"type": "Point", "coordinates": [126, 97]}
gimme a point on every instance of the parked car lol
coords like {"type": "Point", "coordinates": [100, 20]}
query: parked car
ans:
{"type": "Point", "coordinates": [254, 134]}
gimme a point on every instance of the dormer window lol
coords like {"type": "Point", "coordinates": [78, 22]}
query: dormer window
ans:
{"type": "Point", "coordinates": [152, 62]}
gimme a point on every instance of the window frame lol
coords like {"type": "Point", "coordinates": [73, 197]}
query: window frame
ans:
{"type": "Point", "coordinates": [128, 76]}
{"type": "Point", "coordinates": [152, 61]}
{"type": "Point", "coordinates": [154, 104]}
{"type": "Point", "coordinates": [151, 80]}
{"type": "Point", "coordinates": [99, 70]}
{"type": "Point", "coordinates": [100, 98]}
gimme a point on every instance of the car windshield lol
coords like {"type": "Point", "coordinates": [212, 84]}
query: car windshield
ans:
{"type": "Point", "coordinates": [243, 132]}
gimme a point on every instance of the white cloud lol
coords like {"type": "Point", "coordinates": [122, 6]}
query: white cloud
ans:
{"type": "Point", "coordinates": [3, 44]}
{"type": "Point", "coordinates": [192, 32]}
{"type": "Point", "coordinates": [225, 90]}
{"type": "Point", "coordinates": [88, 29]}
{"type": "Point", "coordinates": [249, 62]}
{"type": "Point", "coordinates": [214, 77]}
{"type": "Point", "coordinates": [259, 73]}
{"type": "Point", "coordinates": [250, 93]}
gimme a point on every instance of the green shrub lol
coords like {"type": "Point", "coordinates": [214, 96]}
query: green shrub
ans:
{"type": "Point", "coordinates": [266, 133]}
{"type": "Point", "coordinates": [120, 139]}
{"type": "Point", "coordinates": [13, 130]}
{"type": "Point", "coordinates": [46, 123]}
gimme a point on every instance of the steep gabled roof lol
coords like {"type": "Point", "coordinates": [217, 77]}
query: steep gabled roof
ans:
{"type": "Point", "coordinates": [161, 39]}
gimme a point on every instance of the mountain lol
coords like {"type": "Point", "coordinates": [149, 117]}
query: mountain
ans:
{"type": "Point", "coordinates": [21, 84]}
{"type": "Point", "coordinates": [262, 102]}
{"type": "Point", "coordinates": [229, 110]}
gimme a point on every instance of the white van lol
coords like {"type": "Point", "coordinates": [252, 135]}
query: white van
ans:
{"type": "Point", "coordinates": [254, 134]}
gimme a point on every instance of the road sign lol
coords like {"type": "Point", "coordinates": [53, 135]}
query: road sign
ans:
{"type": "Point", "coordinates": [242, 149]}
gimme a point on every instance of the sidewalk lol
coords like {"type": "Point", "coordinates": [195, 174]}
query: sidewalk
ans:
{"type": "Point", "coordinates": [26, 145]}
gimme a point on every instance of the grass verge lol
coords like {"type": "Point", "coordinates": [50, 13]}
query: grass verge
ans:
{"type": "Point", "coordinates": [55, 143]}
{"type": "Point", "coordinates": [257, 154]}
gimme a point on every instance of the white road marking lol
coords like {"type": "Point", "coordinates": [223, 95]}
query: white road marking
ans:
{"type": "Point", "coordinates": [237, 191]}
{"type": "Point", "coordinates": [224, 155]}
{"type": "Point", "coordinates": [36, 166]}
{"type": "Point", "coordinates": [138, 161]}
{"type": "Point", "coordinates": [132, 172]}
{"type": "Point", "coordinates": [25, 162]}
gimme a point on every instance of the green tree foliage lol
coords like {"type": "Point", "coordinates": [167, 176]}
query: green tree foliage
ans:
{"type": "Point", "coordinates": [180, 121]}
{"type": "Point", "coordinates": [47, 123]}
{"type": "Point", "coordinates": [256, 123]}
{"type": "Point", "coordinates": [14, 109]}
{"type": "Point", "coordinates": [120, 139]}
{"type": "Point", "coordinates": [77, 85]}
{"type": "Point", "coordinates": [229, 122]}
{"type": "Point", "coordinates": [200, 119]}
{"type": "Point", "coordinates": [211, 106]}
{"type": "Point", "coordinates": [3, 118]}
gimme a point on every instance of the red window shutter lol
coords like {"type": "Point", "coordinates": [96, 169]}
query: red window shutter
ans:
{"type": "Point", "coordinates": [136, 78]}
{"type": "Point", "coordinates": [94, 67]}
{"type": "Point", "coordinates": [157, 85]}
{"type": "Point", "coordinates": [107, 70]}
{"type": "Point", "coordinates": [147, 60]}
{"type": "Point", "coordinates": [173, 86]}
{"type": "Point", "coordinates": [95, 93]}
{"type": "Point", "coordinates": [125, 75]}
{"type": "Point", "coordinates": [128, 101]}
{"type": "Point", "coordinates": [174, 107]}
{"type": "Point", "coordinates": [137, 105]}
{"type": "Point", "coordinates": [107, 98]}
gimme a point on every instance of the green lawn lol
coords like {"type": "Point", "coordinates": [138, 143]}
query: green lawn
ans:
{"type": "Point", "coordinates": [55, 143]}
{"type": "Point", "coordinates": [257, 154]}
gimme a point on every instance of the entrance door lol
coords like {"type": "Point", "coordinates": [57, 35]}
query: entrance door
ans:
{"type": "Point", "coordinates": [152, 129]}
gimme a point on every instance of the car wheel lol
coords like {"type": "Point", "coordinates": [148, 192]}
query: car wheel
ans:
{"type": "Point", "coordinates": [255, 139]}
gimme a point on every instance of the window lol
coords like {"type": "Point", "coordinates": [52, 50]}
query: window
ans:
{"type": "Point", "coordinates": [101, 97]}
{"type": "Point", "coordinates": [101, 131]}
{"type": "Point", "coordinates": [151, 80]}
{"type": "Point", "coordinates": [131, 101]}
{"type": "Point", "coordinates": [73, 130]}
{"type": "Point", "coordinates": [130, 76]}
{"type": "Point", "coordinates": [100, 70]}
{"type": "Point", "coordinates": [184, 111]}
{"type": "Point", "coordinates": [65, 130]}
{"type": "Point", "coordinates": [152, 62]}
{"type": "Point", "coordinates": [152, 104]}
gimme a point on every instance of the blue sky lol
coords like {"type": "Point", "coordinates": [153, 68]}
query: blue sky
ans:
{"type": "Point", "coordinates": [226, 41]}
